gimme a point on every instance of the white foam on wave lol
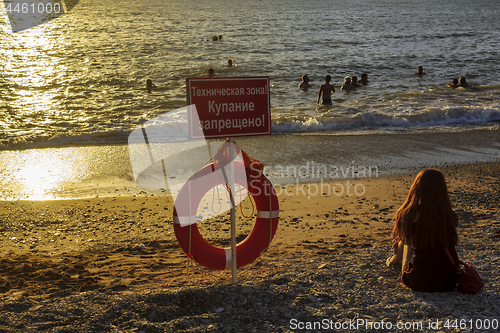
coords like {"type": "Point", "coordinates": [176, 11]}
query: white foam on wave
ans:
{"type": "Point", "coordinates": [429, 118]}
{"type": "Point", "coordinates": [402, 116]}
{"type": "Point", "coordinates": [360, 122]}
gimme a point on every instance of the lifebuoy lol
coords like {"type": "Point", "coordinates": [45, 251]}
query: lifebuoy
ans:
{"type": "Point", "coordinates": [205, 254]}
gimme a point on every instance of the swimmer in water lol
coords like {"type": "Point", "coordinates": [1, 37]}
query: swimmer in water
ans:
{"type": "Point", "coordinates": [304, 85]}
{"type": "Point", "coordinates": [211, 72]}
{"type": "Point", "coordinates": [364, 79]}
{"type": "Point", "coordinates": [354, 81]}
{"type": "Point", "coordinates": [214, 38]}
{"type": "Point", "coordinates": [462, 82]}
{"type": "Point", "coordinates": [149, 85]}
{"type": "Point", "coordinates": [229, 62]}
{"type": "Point", "coordinates": [453, 83]}
{"type": "Point", "coordinates": [347, 84]}
{"type": "Point", "coordinates": [420, 71]}
{"type": "Point", "coordinates": [220, 37]}
{"type": "Point", "coordinates": [325, 91]}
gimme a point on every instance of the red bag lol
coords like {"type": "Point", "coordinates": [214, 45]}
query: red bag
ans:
{"type": "Point", "coordinates": [469, 282]}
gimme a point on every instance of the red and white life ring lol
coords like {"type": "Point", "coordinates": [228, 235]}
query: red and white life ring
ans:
{"type": "Point", "coordinates": [205, 254]}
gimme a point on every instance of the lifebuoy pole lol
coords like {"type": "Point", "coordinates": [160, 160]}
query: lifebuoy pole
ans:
{"type": "Point", "coordinates": [233, 214]}
{"type": "Point", "coordinates": [270, 215]}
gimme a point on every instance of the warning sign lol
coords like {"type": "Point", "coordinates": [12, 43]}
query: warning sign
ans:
{"type": "Point", "coordinates": [229, 107]}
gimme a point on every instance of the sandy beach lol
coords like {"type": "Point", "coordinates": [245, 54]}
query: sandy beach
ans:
{"type": "Point", "coordinates": [113, 264]}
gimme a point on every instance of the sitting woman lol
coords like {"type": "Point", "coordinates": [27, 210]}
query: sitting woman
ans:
{"type": "Point", "coordinates": [425, 227]}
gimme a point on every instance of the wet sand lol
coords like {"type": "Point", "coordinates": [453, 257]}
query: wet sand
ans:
{"type": "Point", "coordinates": [105, 171]}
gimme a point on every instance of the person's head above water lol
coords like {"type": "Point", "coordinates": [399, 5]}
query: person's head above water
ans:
{"type": "Point", "coordinates": [420, 71]}
{"type": "Point", "coordinates": [149, 85]}
{"type": "Point", "coordinates": [211, 71]}
{"type": "Point", "coordinates": [230, 62]}
{"type": "Point", "coordinates": [305, 82]}
{"type": "Point", "coordinates": [462, 82]}
{"type": "Point", "coordinates": [364, 78]}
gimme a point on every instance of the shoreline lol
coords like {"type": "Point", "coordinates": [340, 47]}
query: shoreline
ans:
{"type": "Point", "coordinates": [96, 171]}
{"type": "Point", "coordinates": [342, 133]}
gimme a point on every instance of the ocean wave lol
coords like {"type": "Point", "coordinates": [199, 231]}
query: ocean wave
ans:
{"type": "Point", "coordinates": [429, 118]}
{"type": "Point", "coordinates": [357, 122]}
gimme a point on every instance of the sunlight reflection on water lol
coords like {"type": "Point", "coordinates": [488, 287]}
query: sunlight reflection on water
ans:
{"type": "Point", "coordinates": [60, 173]}
{"type": "Point", "coordinates": [39, 174]}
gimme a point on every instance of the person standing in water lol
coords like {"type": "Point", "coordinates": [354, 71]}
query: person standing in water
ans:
{"type": "Point", "coordinates": [325, 91]}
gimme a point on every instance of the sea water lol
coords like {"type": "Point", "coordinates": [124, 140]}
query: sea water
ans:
{"type": "Point", "coordinates": [80, 79]}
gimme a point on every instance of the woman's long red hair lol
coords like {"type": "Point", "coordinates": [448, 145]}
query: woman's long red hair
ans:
{"type": "Point", "coordinates": [426, 219]}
